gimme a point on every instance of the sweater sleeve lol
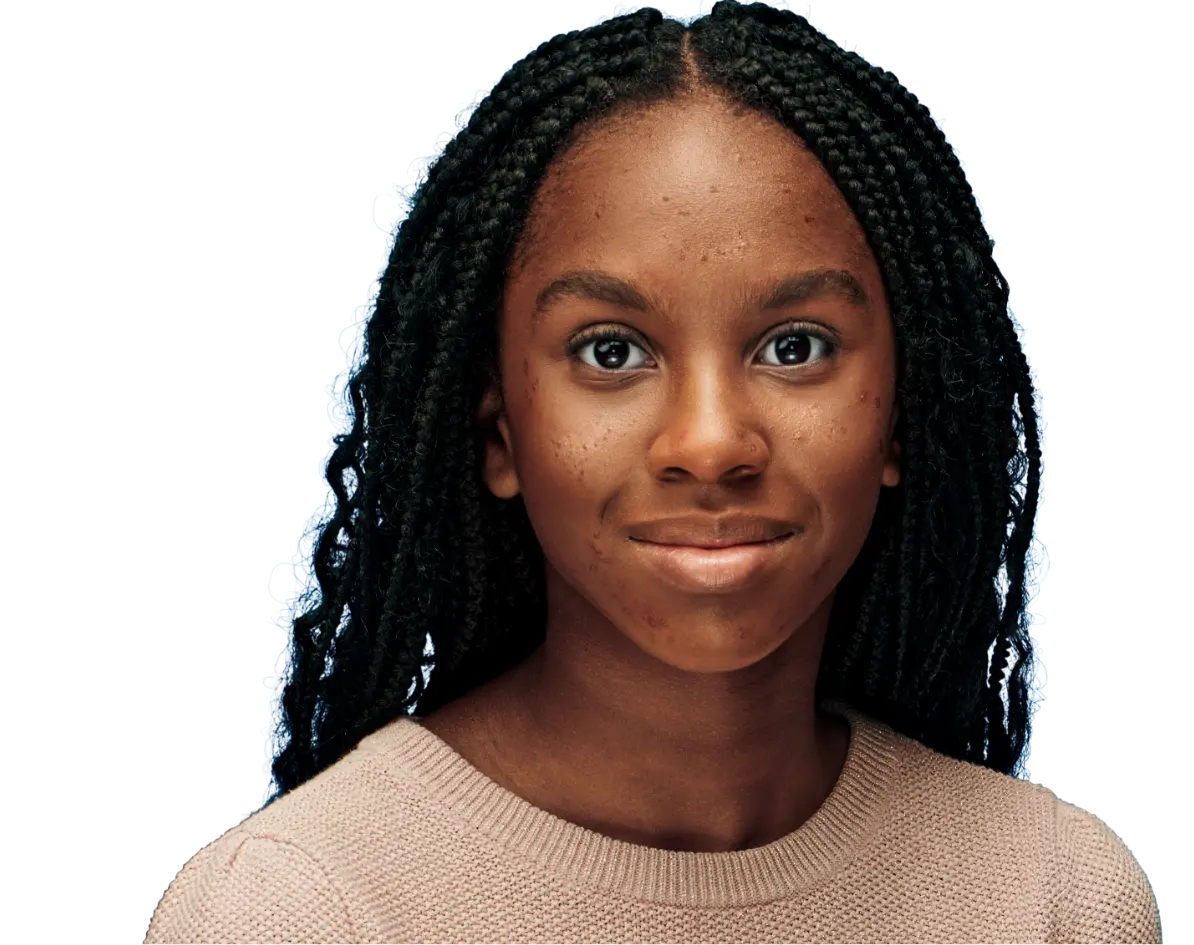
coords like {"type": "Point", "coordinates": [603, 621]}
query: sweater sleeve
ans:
{"type": "Point", "coordinates": [251, 888]}
{"type": "Point", "coordinates": [1104, 894]}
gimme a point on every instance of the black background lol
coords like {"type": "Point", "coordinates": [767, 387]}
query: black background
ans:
{"type": "Point", "coordinates": [291, 124]}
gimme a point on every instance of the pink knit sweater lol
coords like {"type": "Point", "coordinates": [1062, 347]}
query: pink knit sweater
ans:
{"type": "Point", "coordinates": [403, 840]}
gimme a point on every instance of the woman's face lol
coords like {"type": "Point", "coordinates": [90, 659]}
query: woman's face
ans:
{"type": "Point", "coordinates": [708, 403]}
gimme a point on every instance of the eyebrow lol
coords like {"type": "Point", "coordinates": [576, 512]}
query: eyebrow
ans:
{"type": "Point", "coordinates": [602, 286]}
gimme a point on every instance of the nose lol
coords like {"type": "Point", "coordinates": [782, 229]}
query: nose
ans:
{"type": "Point", "coordinates": [710, 431]}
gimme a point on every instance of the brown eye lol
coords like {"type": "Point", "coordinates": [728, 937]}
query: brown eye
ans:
{"type": "Point", "coordinates": [612, 349]}
{"type": "Point", "coordinates": [795, 347]}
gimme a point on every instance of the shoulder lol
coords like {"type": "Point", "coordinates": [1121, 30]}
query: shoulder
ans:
{"type": "Point", "coordinates": [1104, 894]}
{"type": "Point", "coordinates": [971, 808]}
{"type": "Point", "coordinates": [1087, 883]}
{"type": "Point", "coordinates": [286, 872]}
{"type": "Point", "coordinates": [252, 887]}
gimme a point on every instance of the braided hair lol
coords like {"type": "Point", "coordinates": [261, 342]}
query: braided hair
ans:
{"type": "Point", "coordinates": [417, 553]}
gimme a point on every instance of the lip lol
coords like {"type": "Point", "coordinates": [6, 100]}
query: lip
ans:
{"type": "Point", "coordinates": [704, 531]}
{"type": "Point", "coordinates": [731, 569]}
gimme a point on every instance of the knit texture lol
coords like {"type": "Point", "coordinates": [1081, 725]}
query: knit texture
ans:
{"type": "Point", "coordinates": [403, 840]}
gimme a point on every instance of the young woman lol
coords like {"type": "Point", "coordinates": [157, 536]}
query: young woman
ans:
{"type": "Point", "coordinates": [688, 431]}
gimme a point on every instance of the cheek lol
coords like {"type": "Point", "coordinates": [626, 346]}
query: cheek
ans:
{"type": "Point", "coordinates": [842, 450]}
{"type": "Point", "coordinates": [836, 421]}
{"type": "Point", "coordinates": [578, 443]}
{"type": "Point", "coordinates": [569, 466]}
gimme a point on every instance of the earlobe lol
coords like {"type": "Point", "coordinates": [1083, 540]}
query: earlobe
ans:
{"type": "Point", "coordinates": [498, 472]}
{"type": "Point", "coordinates": [891, 468]}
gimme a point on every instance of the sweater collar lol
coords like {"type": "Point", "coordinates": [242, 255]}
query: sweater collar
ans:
{"type": "Point", "coordinates": [842, 826]}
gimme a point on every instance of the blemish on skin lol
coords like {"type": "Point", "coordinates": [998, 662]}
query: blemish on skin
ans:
{"type": "Point", "coordinates": [666, 199]}
{"type": "Point", "coordinates": [862, 397]}
{"type": "Point", "coordinates": [704, 257]}
{"type": "Point", "coordinates": [808, 219]}
{"type": "Point", "coordinates": [655, 623]}
{"type": "Point", "coordinates": [876, 403]}
{"type": "Point", "coordinates": [713, 188]}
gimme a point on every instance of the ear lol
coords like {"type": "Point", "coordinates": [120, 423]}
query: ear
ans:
{"type": "Point", "coordinates": [891, 466]}
{"type": "Point", "coordinates": [498, 460]}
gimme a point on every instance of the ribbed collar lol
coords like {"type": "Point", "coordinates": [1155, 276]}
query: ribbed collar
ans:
{"type": "Point", "coordinates": [841, 827]}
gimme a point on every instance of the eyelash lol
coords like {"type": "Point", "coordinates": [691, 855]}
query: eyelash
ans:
{"type": "Point", "coordinates": [615, 333]}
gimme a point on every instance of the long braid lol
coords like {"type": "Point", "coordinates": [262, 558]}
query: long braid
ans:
{"type": "Point", "coordinates": [925, 134]}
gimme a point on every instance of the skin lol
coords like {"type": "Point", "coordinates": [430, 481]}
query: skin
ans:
{"type": "Point", "coordinates": [654, 715]}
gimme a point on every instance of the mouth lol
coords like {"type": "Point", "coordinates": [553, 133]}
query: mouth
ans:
{"type": "Point", "coordinates": [717, 569]}
{"type": "Point", "coordinates": [713, 546]}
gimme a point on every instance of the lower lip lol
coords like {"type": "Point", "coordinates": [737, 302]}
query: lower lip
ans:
{"type": "Point", "coordinates": [713, 570]}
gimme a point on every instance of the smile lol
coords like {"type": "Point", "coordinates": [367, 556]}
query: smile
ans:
{"type": "Point", "coordinates": [713, 570]}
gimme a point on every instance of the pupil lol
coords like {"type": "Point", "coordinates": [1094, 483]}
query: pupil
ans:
{"type": "Point", "coordinates": [602, 349]}
{"type": "Point", "coordinates": [794, 345]}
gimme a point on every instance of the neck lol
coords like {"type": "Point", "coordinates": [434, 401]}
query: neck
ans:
{"type": "Point", "coordinates": [703, 762]}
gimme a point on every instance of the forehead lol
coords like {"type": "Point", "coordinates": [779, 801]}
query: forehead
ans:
{"type": "Point", "coordinates": [698, 190]}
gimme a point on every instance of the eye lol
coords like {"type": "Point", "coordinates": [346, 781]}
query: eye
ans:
{"type": "Point", "coordinates": [612, 347]}
{"type": "Point", "coordinates": [795, 344]}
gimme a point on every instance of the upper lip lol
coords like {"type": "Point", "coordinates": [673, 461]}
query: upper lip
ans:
{"type": "Point", "coordinates": [705, 532]}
